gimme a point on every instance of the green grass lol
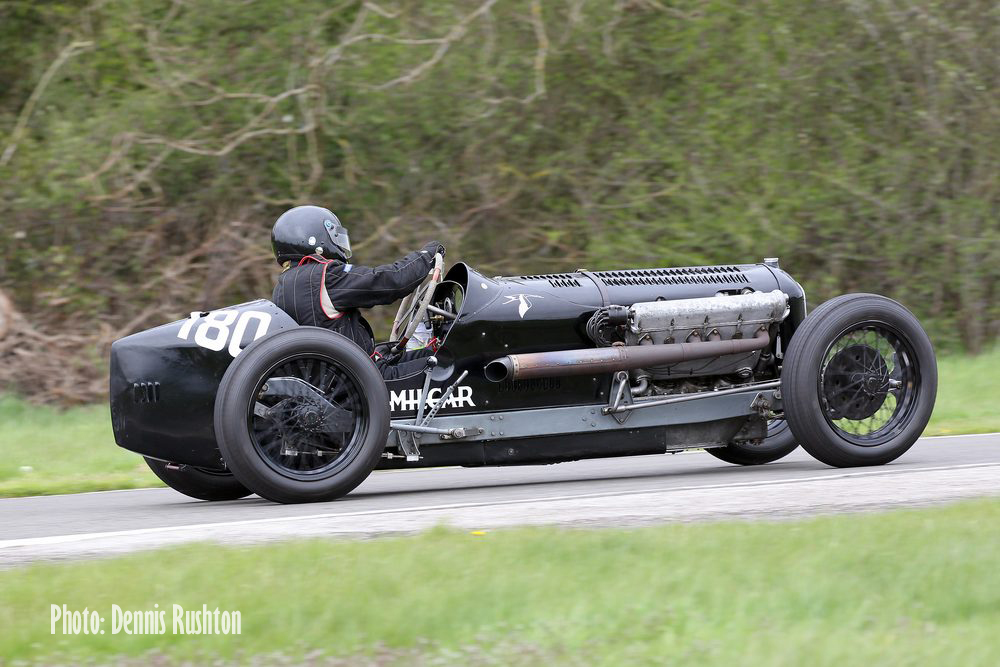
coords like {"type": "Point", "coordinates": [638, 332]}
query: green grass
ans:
{"type": "Point", "coordinates": [914, 587]}
{"type": "Point", "coordinates": [44, 450]}
{"type": "Point", "coordinates": [968, 398]}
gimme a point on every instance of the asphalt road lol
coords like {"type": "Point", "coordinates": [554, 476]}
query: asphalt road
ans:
{"type": "Point", "coordinates": [620, 491]}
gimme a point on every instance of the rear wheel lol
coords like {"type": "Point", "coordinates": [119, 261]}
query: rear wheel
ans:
{"type": "Point", "coordinates": [302, 416]}
{"type": "Point", "coordinates": [778, 444]}
{"type": "Point", "coordinates": [200, 483]}
{"type": "Point", "coordinates": [859, 381]}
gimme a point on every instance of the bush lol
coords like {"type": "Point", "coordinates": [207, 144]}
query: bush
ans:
{"type": "Point", "coordinates": [148, 146]}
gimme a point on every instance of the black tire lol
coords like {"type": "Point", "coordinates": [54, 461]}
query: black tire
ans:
{"type": "Point", "coordinates": [242, 442]}
{"type": "Point", "coordinates": [778, 444]}
{"type": "Point", "coordinates": [818, 394]}
{"type": "Point", "coordinates": [199, 483]}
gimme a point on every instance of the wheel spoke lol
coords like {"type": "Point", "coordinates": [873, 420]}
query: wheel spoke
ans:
{"type": "Point", "coordinates": [302, 424]}
{"type": "Point", "coordinates": [846, 387]}
{"type": "Point", "coordinates": [324, 379]}
{"type": "Point", "coordinates": [864, 381]}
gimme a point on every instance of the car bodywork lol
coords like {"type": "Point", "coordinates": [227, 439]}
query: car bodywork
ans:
{"type": "Point", "coordinates": [164, 380]}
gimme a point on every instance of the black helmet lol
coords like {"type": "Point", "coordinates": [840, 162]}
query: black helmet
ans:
{"type": "Point", "coordinates": [309, 230]}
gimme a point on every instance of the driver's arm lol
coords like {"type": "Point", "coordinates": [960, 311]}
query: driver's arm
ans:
{"type": "Point", "coordinates": [364, 287]}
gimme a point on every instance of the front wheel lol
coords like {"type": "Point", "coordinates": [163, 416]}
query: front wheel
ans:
{"type": "Point", "coordinates": [859, 381]}
{"type": "Point", "coordinates": [302, 416]}
{"type": "Point", "coordinates": [199, 483]}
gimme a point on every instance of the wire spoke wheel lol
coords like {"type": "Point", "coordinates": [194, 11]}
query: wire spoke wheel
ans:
{"type": "Point", "coordinates": [318, 427]}
{"type": "Point", "coordinates": [858, 381]}
{"type": "Point", "coordinates": [868, 383]}
{"type": "Point", "coordinates": [302, 416]}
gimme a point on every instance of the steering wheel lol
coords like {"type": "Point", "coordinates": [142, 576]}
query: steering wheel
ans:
{"type": "Point", "coordinates": [413, 309]}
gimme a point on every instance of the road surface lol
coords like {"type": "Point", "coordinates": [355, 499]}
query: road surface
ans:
{"type": "Point", "coordinates": [604, 492]}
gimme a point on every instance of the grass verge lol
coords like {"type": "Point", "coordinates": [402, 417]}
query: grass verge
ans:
{"type": "Point", "coordinates": [44, 450]}
{"type": "Point", "coordinates": [902, 588]}
{"type": "Point", "coordinates": [968, 391]}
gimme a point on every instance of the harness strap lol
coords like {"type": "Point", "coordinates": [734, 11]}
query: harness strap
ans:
{"type": "Point", "coordinates": [325, 302]}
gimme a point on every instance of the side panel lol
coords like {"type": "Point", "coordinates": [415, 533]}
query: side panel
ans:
{"type": "Point", "coordinates": [164, 380]}
{"type": "Point", "coordinates": [540, 313]}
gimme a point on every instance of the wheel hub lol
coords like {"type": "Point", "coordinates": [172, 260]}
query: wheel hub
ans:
{"type": "Point", "coordinates": [856, 382]}
{"type": "Point", "coordinates": [309, 418]}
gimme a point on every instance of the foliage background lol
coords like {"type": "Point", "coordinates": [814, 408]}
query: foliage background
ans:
{"type": "Point", "coordinates": [148, 145]}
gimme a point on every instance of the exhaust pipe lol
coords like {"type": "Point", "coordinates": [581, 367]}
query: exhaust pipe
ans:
{"type": "Point", "coordinates": [621, 358]}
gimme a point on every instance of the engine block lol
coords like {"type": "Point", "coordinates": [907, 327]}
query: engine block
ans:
{"type": "Point", "coordinates": [720, 317]}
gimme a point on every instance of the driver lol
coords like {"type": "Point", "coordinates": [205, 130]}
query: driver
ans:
{"type": "Point", "coordinates": [317, 286]}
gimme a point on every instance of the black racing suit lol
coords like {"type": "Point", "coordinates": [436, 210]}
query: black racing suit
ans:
{"type": "Point", "coordinates": [327, 293]}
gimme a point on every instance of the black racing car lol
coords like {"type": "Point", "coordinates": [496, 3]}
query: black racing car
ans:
{"type": "Point", "coordinates": [526, 369]}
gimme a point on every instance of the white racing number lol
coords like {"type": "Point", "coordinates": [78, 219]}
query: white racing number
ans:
{"type": "Point", "coordinates": [213, 332]}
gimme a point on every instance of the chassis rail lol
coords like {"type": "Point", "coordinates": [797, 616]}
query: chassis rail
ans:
{"type": "Point", "coordinates": [758, 399]}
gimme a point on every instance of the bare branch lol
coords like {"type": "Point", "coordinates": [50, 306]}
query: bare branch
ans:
{"type": "Point", "coordinates": [381, 12]}
{"type": "Point", "coordinates": [538, 22]}
{"type": "Point", "coordinates": [541, 55]}
{"type": "Point", "coordinates": [241, 138]}
{"type": "Point", "coordinates": [457, 32]}
{"type": "Point", "coordinates": [70, 50]}
{"type": "Point", "coordinates": [236, 138]}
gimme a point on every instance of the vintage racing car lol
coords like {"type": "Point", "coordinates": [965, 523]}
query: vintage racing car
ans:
{"type": "Point", "coordinates": [528, 369]}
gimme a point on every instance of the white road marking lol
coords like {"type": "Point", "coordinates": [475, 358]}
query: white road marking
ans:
{"type": "Point", "coordinates": [201, 527]}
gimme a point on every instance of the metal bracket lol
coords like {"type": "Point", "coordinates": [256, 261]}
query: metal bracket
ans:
{"type": "Point", "coordinates": [683, 398]}
{"type": "Point", "coordinates": [432, 363]}
{"type": "Point", "coordinates": [407, 437]}
{"type": "Point", "coordinates": [455, 432]}
{"type": "Point", "coordinates": [444, 399]}
{"type": "Point", "coordinates": [408, 444]}
{"type": "Point", "coordinates": [407, 433]}
{"type": "Point", "coordinates": [621, 390]}
{"type": "Point", "coordinates": [761, 405]}
{"type": "Point", "coordinates": [329, 415]}
{"type": "Point", "coordinates": [753, 431]}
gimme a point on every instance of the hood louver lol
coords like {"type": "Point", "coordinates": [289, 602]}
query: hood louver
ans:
{"type": "Point", "coordinates": [718, 275]}
{"type": "Point", "coordinates": [555, 279]}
